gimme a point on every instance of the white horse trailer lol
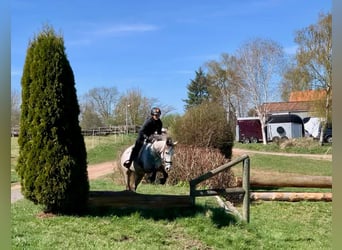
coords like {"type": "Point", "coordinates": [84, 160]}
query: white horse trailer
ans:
{"type": "Point", "coordinates": [284, 126]}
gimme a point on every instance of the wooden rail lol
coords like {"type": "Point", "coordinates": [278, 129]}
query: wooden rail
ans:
{"type": "Point", "coordinates": [245, 190]}
{"type": "Point", "coordinates": [128, 199]}
{"type": "Point", "coordinates": [100, 131]}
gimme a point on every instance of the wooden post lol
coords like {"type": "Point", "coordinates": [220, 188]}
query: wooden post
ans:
{"type": "Point", "coordinates": [244, 190]}
{"type": "Point", "coordinates": [245, 185]}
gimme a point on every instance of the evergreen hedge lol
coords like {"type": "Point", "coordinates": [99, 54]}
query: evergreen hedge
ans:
{"type": "Point", "coordinates": [52, 162]}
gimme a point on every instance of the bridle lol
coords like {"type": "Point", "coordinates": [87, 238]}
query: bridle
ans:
{"type": "Point", "coordinates": [161, 154]}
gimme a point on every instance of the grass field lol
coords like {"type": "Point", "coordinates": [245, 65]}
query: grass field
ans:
{"type": "Point", "coordinates": [273, 225]}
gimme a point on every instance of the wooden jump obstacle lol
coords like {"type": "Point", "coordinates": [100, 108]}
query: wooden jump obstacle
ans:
{"type": "Point", "coordinates": [244, 190]}
{"type": "Point", "coordinates": [300, 181]}
{"type": "Point", "coordinates": [129, 199]}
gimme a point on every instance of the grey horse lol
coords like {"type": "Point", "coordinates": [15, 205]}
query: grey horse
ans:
{"type": "Point", "coordinates": [154, 156]}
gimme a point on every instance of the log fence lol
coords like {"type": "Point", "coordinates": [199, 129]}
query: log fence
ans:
{"type": "Point", "coordinates": [244, 190]}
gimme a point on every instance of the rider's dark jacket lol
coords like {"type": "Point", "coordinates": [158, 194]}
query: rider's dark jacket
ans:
{"type": "Point", "coordinates": [149, 127]}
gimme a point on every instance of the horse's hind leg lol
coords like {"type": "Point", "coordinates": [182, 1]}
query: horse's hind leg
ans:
{"type": "Point", "coordinates": [128, 179]}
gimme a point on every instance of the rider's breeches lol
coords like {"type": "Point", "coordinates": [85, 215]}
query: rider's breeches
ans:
{"type": "Point", "coordinates": [136, 149]}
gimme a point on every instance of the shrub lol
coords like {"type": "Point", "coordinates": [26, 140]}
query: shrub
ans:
{"type": "Point", "coordinates": [52, 160]}
{"type": "Point", "coordinates": [191, 162]}
{"type": "Point", "coordinates": [205, 125]}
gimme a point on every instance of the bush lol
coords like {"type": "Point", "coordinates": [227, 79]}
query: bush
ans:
{"type": "Point", "coordinates": [191, 162]}
{"type": "Point", "coordinates": [205, 125]}
{"type": "Point", "coordinates": [52, 160]}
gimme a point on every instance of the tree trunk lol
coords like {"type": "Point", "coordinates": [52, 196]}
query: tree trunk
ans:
{"type": "Point", "coordinates": [290, 181]}
{"type": "Point", "coordinates": [290, 196]}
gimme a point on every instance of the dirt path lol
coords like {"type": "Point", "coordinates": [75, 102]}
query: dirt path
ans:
{"type": "Point", "coordinates": [101, 169]}
{"type": "Point", "coordinates": [94, 171]}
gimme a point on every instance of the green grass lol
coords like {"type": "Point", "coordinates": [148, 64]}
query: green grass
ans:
{"type": "Point", "coordinates": [298, 165]}
{"type": "Point", "coordinates": [273, 225]}
{"type": "Point", "coordinates": [106, 148]}
{"type": "Point", "coordinates": [299, 146]}
{"type": "Point", "coordinates": [14, 158]}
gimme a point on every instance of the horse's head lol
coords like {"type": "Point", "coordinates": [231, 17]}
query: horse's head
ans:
{"type": "Point", "coordinates": [166, 150]}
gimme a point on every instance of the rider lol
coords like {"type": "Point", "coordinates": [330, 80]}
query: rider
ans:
{"type": "Point", "coordinates": [151, 125]}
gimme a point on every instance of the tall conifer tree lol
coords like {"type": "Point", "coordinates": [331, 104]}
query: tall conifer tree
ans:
{"type": "Point", "coordinates": [197, 90]}
{"type": "Point", "coordinates": [52, 160]}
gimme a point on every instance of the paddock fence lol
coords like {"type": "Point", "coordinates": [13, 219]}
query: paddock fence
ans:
{"type": "Point", "coordinates": [99, 131]}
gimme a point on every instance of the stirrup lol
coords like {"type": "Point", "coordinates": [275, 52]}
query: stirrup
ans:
{"type": "Point", "coordinates": [127, 163]}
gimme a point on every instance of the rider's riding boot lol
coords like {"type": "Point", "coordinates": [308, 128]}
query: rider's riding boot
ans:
{"type": "Point", "coordinates": [127, 163]}
{"type": "Point", "coordinates": [133, 156]}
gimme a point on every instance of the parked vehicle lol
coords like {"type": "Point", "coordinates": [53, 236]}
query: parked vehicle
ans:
{"type": "Point", "coordinates": [280, 126]}
{"type": "Point", "coordinates": [248, 130]}
{"type": "Point", "coordinates": [313, 126]}
{"type": "Point", "coordinates": [327, 135]}
{"type": "Point", "coordinates": [284, 126]}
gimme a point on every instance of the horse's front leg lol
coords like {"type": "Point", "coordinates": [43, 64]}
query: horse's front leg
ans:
{"type": "Point", "coordinates": [138, 177]}
{"type": "Point", "coordinates": [152, 178]}
{"type": "Point", "coordinates": [165, 176]}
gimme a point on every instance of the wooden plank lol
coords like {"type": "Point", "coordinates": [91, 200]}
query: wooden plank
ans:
{"type": "Point", "coordinates": [217, 170]}
{"type": "Point", "coordinates": [213, 192]}
{"type": "Point", "coordinates": [127, 199]}
{"type": "Point", "coordinates": [228, 207]}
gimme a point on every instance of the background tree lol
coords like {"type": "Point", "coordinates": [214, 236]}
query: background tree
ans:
{"type": "Point", "coordinates": [314, 55]}
{"type": "Point", "coordinates": [15, 107]}
{"type": "Point", "coordinates": [169, 120]}
{"type": "Point", "coordinates": [52, 162]}
{"type": "Point", "coordinates": [197, 90]}
{"type": "Point", "coordinates": [136, 107]}
{"type": "Point", "coordinates": [294, 79]}
{"type": "Point", "coordinates": [89, 118]}
{"type": "Point", "coordinates": [259, 68]}
{"type": "Point", "coordinates": [225, 87]}
{"type": "Point", "coordinates": [103, 100]}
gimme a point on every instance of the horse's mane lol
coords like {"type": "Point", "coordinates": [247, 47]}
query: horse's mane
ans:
{"type": "Point", "coordinates": [163, 137]}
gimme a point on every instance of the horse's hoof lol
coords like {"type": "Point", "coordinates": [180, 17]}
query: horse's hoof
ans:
{"type": "Point", "coordinates": [162, 181]}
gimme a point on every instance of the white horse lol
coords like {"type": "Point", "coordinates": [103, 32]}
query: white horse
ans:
{"type": "Point", "coordinates": [154, 156]}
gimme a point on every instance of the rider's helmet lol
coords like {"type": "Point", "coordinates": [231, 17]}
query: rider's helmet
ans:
{"type": "Point", "coordinates": [155, 111]}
